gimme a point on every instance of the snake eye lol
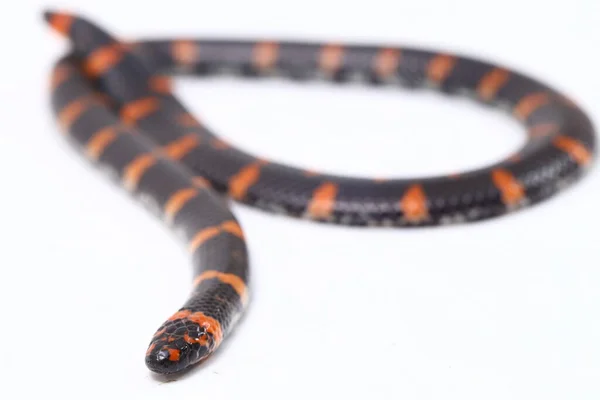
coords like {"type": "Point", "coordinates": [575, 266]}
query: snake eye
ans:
{"type": "Point", "coordinates": [197, 333]}
{"type": "Point", "coordinates": [200, 336]}
{"type": "Point", "coordinates": [162, 355]}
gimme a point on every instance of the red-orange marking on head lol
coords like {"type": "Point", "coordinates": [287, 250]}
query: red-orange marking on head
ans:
{"type": "Point", "coordinates": [440, 67]}
{"type": "Point", "coordinates": [182, 146]}
{"type": "Point", "coordinates": [136, 169]}
{"type": "Point", "coordinates": [322, 202]}
{"type": "Point", "coordinates": [177, 201]}
{"type": "Point", "coordinates": [492, 82]}
{"type": "Point", "coordinates": [574, 148]}
{"type": "Point", "coordinates": [138, 109]}
{"type": "Point", "coordinates": [211, 325]}
{"type": "Point", "coordinates": [331, 57]}
{"type": "Point", "coordinates": [246, 177]}
{"type": "Point", "coordinates": [180, 315]}
{"type": "Point", "coordinates": [161, 84]}
{"type": "Point", "coordinates": [528, 104]}
{"type": "Point", "coordinates": [185, 52]}
{"type": "Point", "coordinates": [386, 62]}
{"type": "Point", "coordinates": [160, 332]}
{"type": "Point", "coordinates": [61, 22]}
{"type": "Point", "coordinates": [150, 348]}
{"type": "Point", "coordinates": [202, 340]}
{"type": "Point", "coordinates": [102, 59]}
{"type": "Point", "coordinates": [99, 141]}
{"type": "Point", "coordinates": [511, 190]}
{"type": "Point", "coordinates": [414, 204]}
{"type": "Point", "coordinates": [541, 130]}
{"type": "Point", "coordinates": [235, 281]}
{"type": "Point", "coordinates": [69, 114]}
{"type": "Point", "coordinates": [265, 54]}
{"type": "Point", "coordinates": [173, 354]}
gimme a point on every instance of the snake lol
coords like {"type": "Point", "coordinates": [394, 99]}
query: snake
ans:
{"type": "Point", "coordinates": [113, 100]}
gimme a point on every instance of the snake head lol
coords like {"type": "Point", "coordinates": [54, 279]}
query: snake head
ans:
{"type": "Point", "coordinates": [182, 341]}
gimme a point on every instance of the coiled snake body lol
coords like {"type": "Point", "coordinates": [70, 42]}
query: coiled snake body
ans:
{"type": "Point", "coordinates": [113, 100]}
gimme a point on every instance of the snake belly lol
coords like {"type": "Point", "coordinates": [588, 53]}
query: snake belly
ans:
{"type": "Point", "coordinates": [114, 101]}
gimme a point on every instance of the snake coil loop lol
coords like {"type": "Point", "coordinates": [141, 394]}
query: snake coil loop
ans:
{"type": "Point", "coordinates": [113, 99]}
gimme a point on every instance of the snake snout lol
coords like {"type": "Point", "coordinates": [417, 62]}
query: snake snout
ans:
{"type": "Point", "coordinates": [171, 357]}
{"type": "Point", "coordinates": [167, 360]}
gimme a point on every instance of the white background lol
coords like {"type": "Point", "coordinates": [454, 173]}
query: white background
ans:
{"type": "Point", "coordinates": [506, 309]}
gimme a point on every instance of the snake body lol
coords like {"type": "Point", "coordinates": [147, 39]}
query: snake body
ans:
{"type": "Point", "coordinates": [113, 100]}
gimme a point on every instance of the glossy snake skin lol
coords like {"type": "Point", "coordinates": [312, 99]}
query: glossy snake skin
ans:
{"type": "Point", "coordinates": [113, 100]}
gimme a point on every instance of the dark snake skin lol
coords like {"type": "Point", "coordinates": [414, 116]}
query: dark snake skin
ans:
{"type": "Point", "coordinates": [113, 100]}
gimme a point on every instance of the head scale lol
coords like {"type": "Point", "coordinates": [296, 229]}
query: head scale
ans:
{"type": "Point", "coordinates": [182, 341]}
